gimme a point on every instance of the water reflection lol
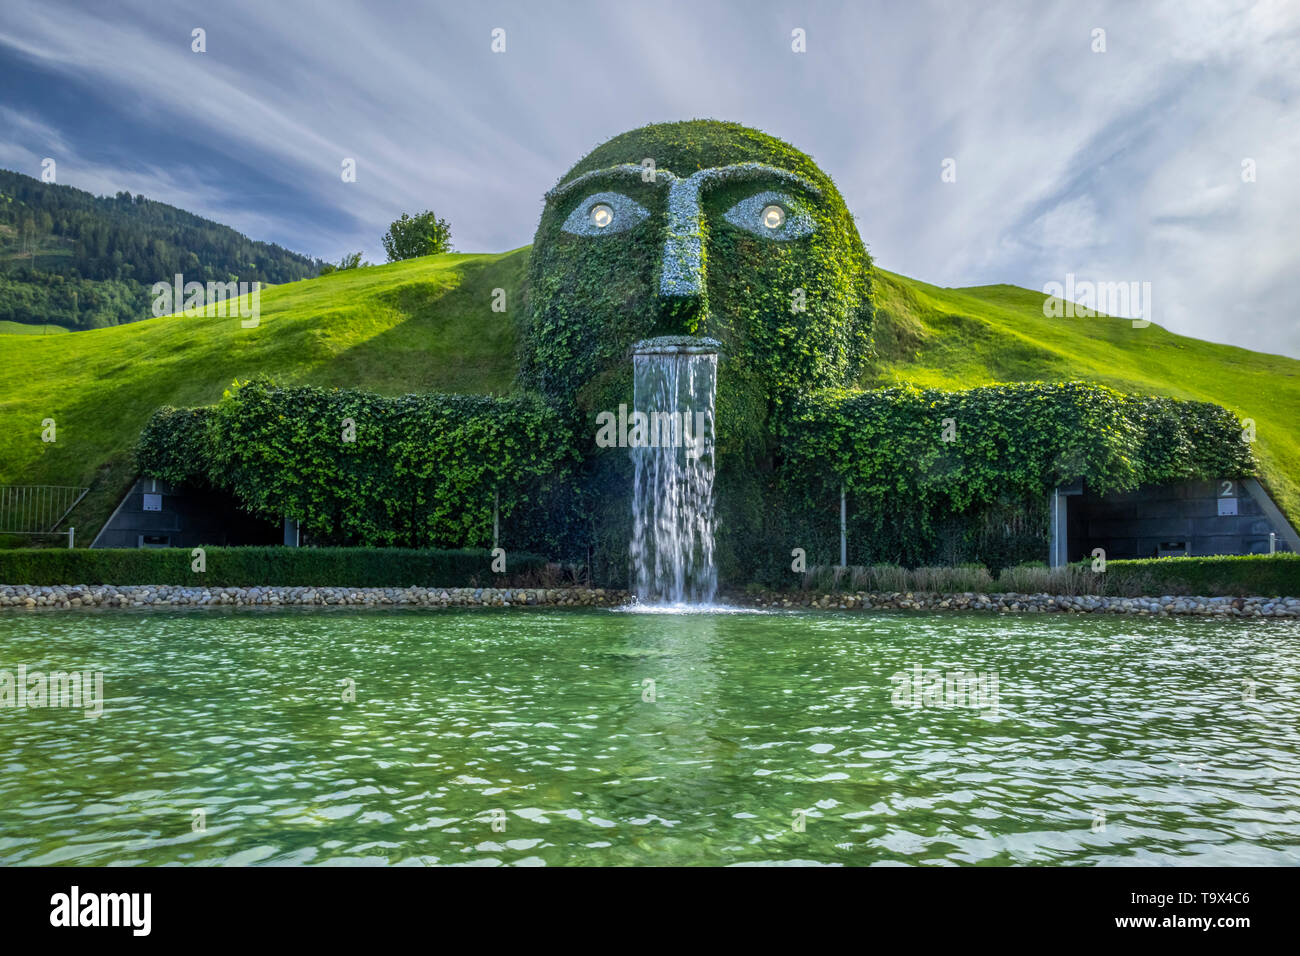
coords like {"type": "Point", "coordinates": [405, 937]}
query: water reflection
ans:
{"type": "Point", "coordinates": [543, 717]}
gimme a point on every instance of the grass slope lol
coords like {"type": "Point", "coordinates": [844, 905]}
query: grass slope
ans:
{"type": "Point", "coordinates": [22, 328]}
{"type": "Point", "coordinates": [427, 325]}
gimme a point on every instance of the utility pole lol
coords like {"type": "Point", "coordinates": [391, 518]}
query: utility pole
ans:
{"type": "Point", "coordinates": [844, 530]}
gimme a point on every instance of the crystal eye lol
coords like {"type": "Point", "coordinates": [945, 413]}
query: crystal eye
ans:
{"type": "Point", "coordinates": [772, 215]}
{"type": "Point", "coordinates": [604, 213]}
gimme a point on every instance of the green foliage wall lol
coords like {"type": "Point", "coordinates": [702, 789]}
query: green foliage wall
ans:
{"type": "Point", "coordinates": [175, 446]}
{"type": "Point", "coordinates": [420, 470]}
{"type": "Point", "coordinates": [1011, 445]}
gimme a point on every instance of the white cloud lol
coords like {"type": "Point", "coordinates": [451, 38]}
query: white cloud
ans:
{"type": "Point", "coordinates": [1120, 165]}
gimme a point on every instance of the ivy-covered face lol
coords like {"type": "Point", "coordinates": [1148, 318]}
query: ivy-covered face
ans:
{"type": "Point", "coordinates": [697, 228]}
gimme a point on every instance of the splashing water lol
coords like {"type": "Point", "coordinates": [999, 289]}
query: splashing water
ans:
{"type": "Point", "coordinates": [675, 382]}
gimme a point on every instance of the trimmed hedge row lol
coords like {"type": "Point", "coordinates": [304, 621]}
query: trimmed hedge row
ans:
{"type": "Point", "coordinates": [1266, 575]}
{"type": "Point", "coordinates": [271, 566]}
{"type": "Point", "coordinates": [1224, 575]}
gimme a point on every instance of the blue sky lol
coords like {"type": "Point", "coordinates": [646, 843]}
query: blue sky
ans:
{"type": "Point", "coordinates": [1123, 165]}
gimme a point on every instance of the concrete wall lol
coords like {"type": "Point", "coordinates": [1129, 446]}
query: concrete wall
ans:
{"type": "Point", "coordinates": [1205, 517]}
{"type": "Point", "coordinates": [186, 518]}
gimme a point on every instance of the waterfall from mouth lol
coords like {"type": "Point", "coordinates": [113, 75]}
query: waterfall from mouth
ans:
{"type": "Point", "coordinates": [675, 382]}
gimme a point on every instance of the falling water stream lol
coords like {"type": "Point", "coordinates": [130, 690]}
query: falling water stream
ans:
{"type": "Point", "coordinates": [675, 381]}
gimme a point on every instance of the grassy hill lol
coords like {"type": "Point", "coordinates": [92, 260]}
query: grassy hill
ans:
{"type": "Point", "coordinates": [22, 328]}
{"type": "Point", "coordinates": [426, 324]}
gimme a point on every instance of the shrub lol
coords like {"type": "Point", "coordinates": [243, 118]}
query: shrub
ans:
{"type": "Point", "coordinates": [1037, 578]}
{"type": "Point", "coordinates": [952, 580]}
{"type": "Point", "coordinates": [1265, 575]}
{"type": "Point", "coordinates": [421, 235]}
{"type": "Point", "coordinates": [890, 578]}
{"type": "Point", "coordinates": [881, 577]}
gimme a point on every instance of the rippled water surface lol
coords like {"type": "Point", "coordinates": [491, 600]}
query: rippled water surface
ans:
{"type": "Point", "coordinates": [753, 726]}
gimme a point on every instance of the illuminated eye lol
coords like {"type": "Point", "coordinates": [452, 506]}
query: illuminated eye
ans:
{"type": "Point", "coordinates": [601, 214]}
{"type": "Point", "coordinates": [771, 215]}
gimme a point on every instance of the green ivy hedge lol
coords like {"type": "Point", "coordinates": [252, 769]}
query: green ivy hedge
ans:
{"type": "Point", "coordinates": [174, 446]}
{"type": "Point", "coordinates": [1009, 446]}
{"type": "Point", "coordinates": [356, 468]}
{"type": "Point", "coordinates": [257, 567]}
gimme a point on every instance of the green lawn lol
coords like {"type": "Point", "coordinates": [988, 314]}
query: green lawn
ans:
{"type": "Point", "coordinates": [427, 325]}
{"type": "Point", "coordinates": [22, 328]}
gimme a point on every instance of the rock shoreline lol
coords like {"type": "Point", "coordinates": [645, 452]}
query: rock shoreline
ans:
{"type": "Point", "coordinates": [171, 596]}
{"type": "Point", "coordinates": [163, 595]}
{"type": "Point", "coordinates": [1165, 606]}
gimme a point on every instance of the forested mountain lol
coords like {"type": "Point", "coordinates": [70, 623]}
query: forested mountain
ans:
{"type": "Point", "coordinates": [82, 261]}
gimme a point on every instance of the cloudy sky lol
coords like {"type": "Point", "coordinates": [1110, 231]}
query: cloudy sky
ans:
{"type": "Point", "coordinates": [1122, 165]}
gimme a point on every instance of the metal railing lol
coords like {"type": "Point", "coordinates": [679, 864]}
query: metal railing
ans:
{"type": "Point", "coordinates": [38, 509]}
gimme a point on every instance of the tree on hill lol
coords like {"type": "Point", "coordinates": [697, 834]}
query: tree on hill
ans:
{"type": "Point", "coordinates": [422, 235]}
{"type": "Point", "coordinates": [350, 260]}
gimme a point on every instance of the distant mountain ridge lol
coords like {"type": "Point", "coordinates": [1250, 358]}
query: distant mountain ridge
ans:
{"type": "Point", "coordinates": [70, 258]}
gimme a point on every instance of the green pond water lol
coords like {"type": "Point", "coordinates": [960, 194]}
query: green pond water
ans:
{"type": "Point", "coordinates": [770, 738]}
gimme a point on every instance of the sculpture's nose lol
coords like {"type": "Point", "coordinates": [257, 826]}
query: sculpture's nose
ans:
{"type": "Point", "coordinates": [681, 267]}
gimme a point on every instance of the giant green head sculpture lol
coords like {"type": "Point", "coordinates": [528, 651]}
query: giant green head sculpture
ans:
{"type": "Point", "coordinates": [697, 228]}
